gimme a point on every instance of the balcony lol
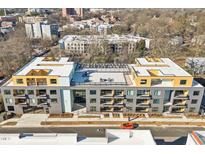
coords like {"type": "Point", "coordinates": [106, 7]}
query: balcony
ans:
{"type": "Point", "coordinates": [42, 101]}
{"type": "Point", "coordinates": [183, 94]}
{"type": "Point", "coordinates": [118, 109]}
{"type": "Point", "coordinates": [118, 102]}
{"type": "Point", "coordinates": [143, 102]}
{"type": "Point", "coordinates": [179, 102]}
{"type": "Point", "coordinates": [107, 109]}
{"type": "Point", "coordinates": [21, 101]}
{"type": "Point", "coordinates": [178, 110]}
{"type": "Point", "coordinates": [106, 102]}
{"type": "Point", "coordinates": [142, 109]}
{"type": "Point", "coordinates": [107, 93]}
{"type": "Point", "coordinates": [119, 93]}
{"type": "Point", "coordinates": [144, 94]}
{"type": "Point", "coordinates": [19, 92]}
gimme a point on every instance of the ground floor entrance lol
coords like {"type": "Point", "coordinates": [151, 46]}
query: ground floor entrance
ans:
{"type": "Point", "coordinates": [79, 99]}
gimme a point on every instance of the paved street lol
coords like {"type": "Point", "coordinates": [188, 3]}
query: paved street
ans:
{"type": "Point", "coordinates": [162, 135]}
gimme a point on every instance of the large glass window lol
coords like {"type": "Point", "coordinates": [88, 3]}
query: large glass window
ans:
{"type": "Point", "coordinates": [10, 108]}
{"type": "Point", "coordinates": [142, 92]}
{"type": "Point", "coordinates": [53, 92]}
{"type": "Point", "coordinates": [9, 100]}
{"type": "Point", "coordinates": [194, 101]}
{"type": "Point", "coordinates": [182, 82]}
{"type": "Point", "coordinates": [93, 100]}
{"type": "Point", "coordinates": [157, 92]}
{"type": "Point", "coordinates": [19, 81]}
{"type": "Point", "coordinates": [129, 100]}
{"type": "Point", "coordinates": [92, 92]}
{"type": "Point", "coordinates": [32, 100]}
{"type": "Point", "coordinates": [93, 108]}
{"type": "Point", "coordinates": [156, 101]}
{"type": "Point", "coordinates": [130, 92]}
{"type": "Point", "coordinates": [54, 100]}
{"type": "Point", "coordinates": [155, 109]}
{"type": "Point", "coordinates": [53, 81]}
{"type": "Point", "coordinates": [196, 93]}
{"type": "Point", "coordinates": [143, 81]}
{"type": "Point", "coordinates": [30, 92]}
{"type": "Point", "coordinates": [7, 92]}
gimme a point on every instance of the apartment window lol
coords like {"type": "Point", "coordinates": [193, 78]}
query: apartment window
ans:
{"type": "Point", "coordinates": [194, 101]}
{"type": "Point", "coordinates": [129, 109]}
{"type": "Point", "coordinates": [54, 100]}
{"type": "Point", "coordinates": [8, 100]}
{"type": "Point", "coordinates": [93, 108]}
{"type": "Point", "coordinates": [196, 93]}
{"type": "Point", "coordinates": [155, 109]}
{"type": "Point", "coordinates": [157, 92]}
{"type": "Point", "coordinates": [192, 109]}
{"type": "Point", "coordinates": [93, 100]}
{"type": "Point", "coordinates": [156, 101]}
{"type": "Point", "coordinates": [92, 92]}
{"type": "Point", "coordinates": [19, 81]}
{"type": "Point", "coordinates": [10, 108]}
{"type": "Point", "coordinates": [166, 108]}
{"type": "Point", "coordinates": [30, 92]}
{"type": "Point", "coordinates": [130, 92]}
{"type": "Point", "coordinates": [142, 92]}
{"type": "Point", "coordinates": [182, 82]}
{"type": "Point", "coordinates": [143, 81]}
{"type": "Point", "coordinates": [32, 100]}
{"type": "Point", "coordinates": [53, 81]}
{"type": "Point", "coordinates": [53, 92]}
{"type": "Point", "coordinates": [7, 92]}
{"type": "Point", "coordinates": [129, 100]}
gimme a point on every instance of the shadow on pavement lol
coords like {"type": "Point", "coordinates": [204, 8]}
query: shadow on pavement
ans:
{"type": "Point", "coordinates": [179, 141]}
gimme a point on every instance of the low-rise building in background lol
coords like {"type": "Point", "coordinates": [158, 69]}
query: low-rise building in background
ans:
{"type": "Point", "coordinates": [41, 30]}
{"type": "Point", "coordinates": [116, 43]}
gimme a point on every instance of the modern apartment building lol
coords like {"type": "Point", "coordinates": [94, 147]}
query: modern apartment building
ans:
{"type": "Point", "coordinates": [83, 43]}
{"type": "Point", "coordinates": [56, 85]}
{"type": "Point", "coordinates": [41, 30]}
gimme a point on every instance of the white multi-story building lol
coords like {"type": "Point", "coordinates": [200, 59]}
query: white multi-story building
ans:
{"type": "Point", "coordinates": [83, 43]}
{"type": "Point", "coordinates": [55, 85]}
{"type": "Point", "coordinates": [41, 30]}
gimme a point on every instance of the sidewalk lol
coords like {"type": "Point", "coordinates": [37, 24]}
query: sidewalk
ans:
{"type": "Point", "coordinates": [34, 120]}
